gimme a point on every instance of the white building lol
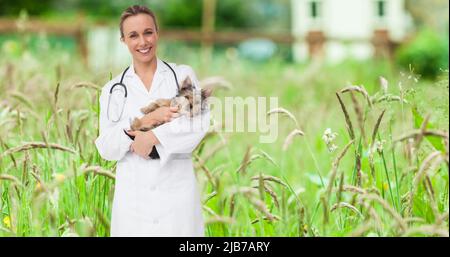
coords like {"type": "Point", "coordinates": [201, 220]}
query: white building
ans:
{"type": "Point", "coordinates": [339, 29]}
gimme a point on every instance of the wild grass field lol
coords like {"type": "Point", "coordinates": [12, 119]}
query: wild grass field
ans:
{"type": "Point", "coordinates": [362, 150]}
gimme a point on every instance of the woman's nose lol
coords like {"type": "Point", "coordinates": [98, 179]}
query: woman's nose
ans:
{"type": "Point", "coordinates": [142, 40]}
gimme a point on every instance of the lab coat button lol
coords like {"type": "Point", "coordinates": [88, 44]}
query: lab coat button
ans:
{"type": "Point", "coordinates": [155, 221]}
{"type": "Point", "coordinates": [152, 188]}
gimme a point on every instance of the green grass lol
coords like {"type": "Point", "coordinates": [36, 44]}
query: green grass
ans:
{"type": "Point", "coordinates": [77, 203]}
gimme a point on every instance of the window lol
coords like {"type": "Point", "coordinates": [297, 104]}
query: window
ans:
{"type": "Point", "coordinates": [314, 8]}
{"type": "Point", "coordinates": [381, 8]}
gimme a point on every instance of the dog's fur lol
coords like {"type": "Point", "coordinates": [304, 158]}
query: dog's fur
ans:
{"type": "Point", "coordinates": [189, 101]}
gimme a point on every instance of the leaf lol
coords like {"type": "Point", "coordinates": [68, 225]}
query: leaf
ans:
{"type": "Point", "coordinates": [418, 120]}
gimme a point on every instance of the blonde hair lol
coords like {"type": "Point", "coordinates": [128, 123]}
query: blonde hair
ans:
{"type": "Point", "coordinates": [133, 11]}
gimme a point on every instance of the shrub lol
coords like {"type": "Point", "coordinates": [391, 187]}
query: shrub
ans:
{"type": "Point", "coordinates": [427, 53]}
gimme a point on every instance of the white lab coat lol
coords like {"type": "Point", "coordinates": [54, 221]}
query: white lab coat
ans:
{"type": "Point", "coordinates": [153, 197]}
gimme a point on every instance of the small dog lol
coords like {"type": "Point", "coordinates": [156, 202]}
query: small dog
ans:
{"type": "Point", "coordinates": [189, 101]}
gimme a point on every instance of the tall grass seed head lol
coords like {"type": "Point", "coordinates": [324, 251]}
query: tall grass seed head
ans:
{"type": "Point", "coordinates": [379, 145]}
{"type": "Point", "coordinates": [328, 137]}
{"type": "Point", "coordinates": [384, 85]}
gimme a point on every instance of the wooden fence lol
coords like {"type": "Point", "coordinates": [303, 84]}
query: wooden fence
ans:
{"type": "Point", "coordinates": [206, 35]}
{"type": "Point", "coordinates": [78, 30]}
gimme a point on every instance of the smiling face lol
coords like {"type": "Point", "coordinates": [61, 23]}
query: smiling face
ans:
{"type": "Point", "coordinates": [141, 37]}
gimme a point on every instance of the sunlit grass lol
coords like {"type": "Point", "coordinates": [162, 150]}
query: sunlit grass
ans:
{"type": "Point", "coordinates": [53, 192]}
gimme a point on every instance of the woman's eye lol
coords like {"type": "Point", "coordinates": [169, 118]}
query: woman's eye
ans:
{"type": "Point", "coordinates": [132, 36]}
{"type": "Point", "coordinates": [149, 32]}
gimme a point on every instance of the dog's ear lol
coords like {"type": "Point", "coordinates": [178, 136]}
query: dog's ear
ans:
{"type": "Point", "coordinates": [187, 84]}
{"type": "Point", "coordinates": [206, 92]}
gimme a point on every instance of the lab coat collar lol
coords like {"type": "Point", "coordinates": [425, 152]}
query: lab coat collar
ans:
{"type": "Point", "coordinates": [158, 77]}
{"type": "Point", "coordinates": [160, 67]}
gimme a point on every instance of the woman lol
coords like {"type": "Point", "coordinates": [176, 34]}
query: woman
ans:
{"type": "Point", "coordinates": [153, 196]}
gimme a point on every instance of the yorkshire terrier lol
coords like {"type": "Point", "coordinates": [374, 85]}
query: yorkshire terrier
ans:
{"type": "Point", "coordinates": [189, 101]}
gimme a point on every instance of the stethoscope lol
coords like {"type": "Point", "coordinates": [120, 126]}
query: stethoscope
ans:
{"type": "Point", "coordinates": [121, 84]}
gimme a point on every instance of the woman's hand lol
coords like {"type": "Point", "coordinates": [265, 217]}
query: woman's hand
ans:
{"type": "Point", "coordinates": [160, 116]}
{"type": "Point", "coordinates": [143, 143]}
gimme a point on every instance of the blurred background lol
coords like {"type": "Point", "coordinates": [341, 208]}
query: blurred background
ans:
{"type": "Point", "coordinates": [55, 55]}
{"type": "Point", "coordinates": [403, 31]}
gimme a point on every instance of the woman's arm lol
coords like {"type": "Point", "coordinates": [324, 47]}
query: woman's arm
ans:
{"type": "Point", "coordinates": [182, 135]}
{"type": "Point", "coordinates": [143, 142]}
{"type": "Point", "coordinates": [159, 116]}
{"type": "Point", "coordinates": [112, 143]}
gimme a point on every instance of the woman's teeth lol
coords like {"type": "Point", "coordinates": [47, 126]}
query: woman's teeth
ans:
{"type": "Point", "coordinates": [144, 51]}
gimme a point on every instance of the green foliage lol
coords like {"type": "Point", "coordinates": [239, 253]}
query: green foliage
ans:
{"type": "Point", "coordinates": [418, 120]}
{"type": "Point", "coordinates": [235, 13]}
{"type": "Point", "coordinates": [229, 13]}
{"type": "Point", "coordinates": [100, 8]}
{"type": "Point", "coordinates": [13, 7]}
{"type": "Point", "coordinates": [78, 203]}
{"type": "Point", "coordinates": [427, 53]}
{"type": "Point", "coordinates": [177, 13]}
{"type": "Point", "coordinates": [170, 13]}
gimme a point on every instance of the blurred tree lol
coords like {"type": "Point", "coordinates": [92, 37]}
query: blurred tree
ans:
{"type": "Point", "coordinates": [229, 13]}
{"type": "Point", "coordinates": [13, 7]}
{"type": "Point", "coordinates": [232, 13]}
{"type": "Point", "coordinates": [102, 8]}
{"type": "Point", "coordinates": [177, 13]}
{"type": "Point", "coordinates": [264, 14]}
{"type": "Point", "coordinates": [427, 54]}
